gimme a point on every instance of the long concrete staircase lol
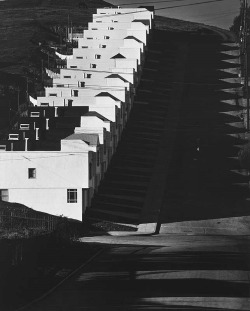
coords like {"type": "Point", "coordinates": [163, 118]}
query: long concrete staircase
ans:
{"type": "Point", "coordinates": [122, 193]}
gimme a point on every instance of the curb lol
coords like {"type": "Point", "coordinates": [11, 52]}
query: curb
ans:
{"type": "Point", "coordinates": [23, 308]}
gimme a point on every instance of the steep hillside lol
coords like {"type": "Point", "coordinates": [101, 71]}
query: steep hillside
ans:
{"type": "Point", "coordinates": [21, 20]}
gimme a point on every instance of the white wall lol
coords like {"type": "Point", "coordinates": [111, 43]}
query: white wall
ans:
{"type": "Point", "coordinates": [90, 44]}
{"type": "Point", "coordinates": [55, 173]}
{"type": "Point", "coordinates": [104, 64]}
{"type": "Point", "coordinates": [123, 14]}
{"type": "Point", "coordinates": [108, 53]}
{"type": "Point", "coordinates": [52, 201]}
{"type": "Point", "coordinates": [115, 34]}
{"type": "Point", "coordinates": [97, 76]}
{"type": "Point", "coordinates": [121, 25]}
{"type": "Point", "coordinates": [119, 92]}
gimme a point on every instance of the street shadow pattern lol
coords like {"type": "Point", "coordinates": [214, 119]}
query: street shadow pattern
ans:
{"type": "Point", "coordinates": [149, 278]}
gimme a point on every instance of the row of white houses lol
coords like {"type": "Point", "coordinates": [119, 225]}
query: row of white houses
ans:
{"type": "Point", "coordinates": [56, 157]}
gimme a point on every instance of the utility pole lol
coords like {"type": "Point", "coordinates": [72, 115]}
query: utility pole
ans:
{"type": "Point", "coordinates": [18, 98]}
{"type": "Point", "coordinates": [245, 33]}
{"type": "Point", "coordinates": [71, 34]}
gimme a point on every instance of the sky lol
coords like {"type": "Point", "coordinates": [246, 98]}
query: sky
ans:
{"type": "Point", "coordinates": [220, 14]}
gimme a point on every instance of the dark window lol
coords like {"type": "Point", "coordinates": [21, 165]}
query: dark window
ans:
{"type": "Point", "coordinates": [79, 57]}
{"type": "Point", "coordinates": [32, 173]}
{"type": "Point", "coordinates": [73, 66]}
{"type": "Point", "coordinates": [75, 92]}
{"type": "Point", "coordinates": [93, 65]}
{"type": "Point", "coordinates": [4, 195]}
{"type": "Point", "coordinates": [97, 56]}
{"type": "Point", "coordinates": [82, 84]}
{"type": "Point", "coordinates": [71, 195]}
{"type": "Point", "coordinates": [67, 77]}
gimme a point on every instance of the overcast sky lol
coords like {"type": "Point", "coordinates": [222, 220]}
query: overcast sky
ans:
{"type": "Point", "coordinates": [220, 14]}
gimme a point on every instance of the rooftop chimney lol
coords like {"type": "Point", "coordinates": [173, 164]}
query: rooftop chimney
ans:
{"type": "Point", "coordinates": [26, 143]}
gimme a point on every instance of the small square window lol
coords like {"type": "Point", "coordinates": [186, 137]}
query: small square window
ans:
{"type": "Point", "coordinates": [71, 195]}
{"type": "Point", "coordinates": [93, 66]}
{"type": "Point", "coordinates": [4, 195]}
{"type": "Point", "coordinates": [75, 92]}
{"type": "Point", "coordinates": [32, 173]}
{"type": "Point", "coordinates": [87, 75]}
{"type": "Point", "coordinates": [97, 56]}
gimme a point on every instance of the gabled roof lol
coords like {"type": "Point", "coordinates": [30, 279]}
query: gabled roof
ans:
{"type": "Point", "coordinates": [116, 76]}
{"type": "Point", "coordinates": [106, 94]}
{"type": "Point", "coordinates": [90, 139]}
{"type": "Point", "coordinates": [119, 55]}
{"type": "Point", "coordinates": [95, 114]}
{"type": "Point", "coordinates": [143, 21]}
{"type": "Point", "coordinates": [134, 38]}
{"type": "Point", "coordinates": [148, 7]}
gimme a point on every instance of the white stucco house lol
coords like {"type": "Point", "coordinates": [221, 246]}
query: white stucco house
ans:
{"type": "Point", "coordinates": [51, 182]}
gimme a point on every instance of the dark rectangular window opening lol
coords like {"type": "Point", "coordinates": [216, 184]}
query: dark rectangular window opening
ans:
{"type": "Point", "coordinates": [32, 173]}
{"type": "Point", "coordinates": [71, 195]}
{"type": "Point", "coordinates": [4, 195]}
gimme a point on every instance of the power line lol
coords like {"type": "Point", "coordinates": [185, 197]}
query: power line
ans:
{"type": "Point", "coordinates": [157, 9]}
{"type": "Point", "coordinates": [153, 2]}
{"type": "Point", "coordinates": [190, 4]}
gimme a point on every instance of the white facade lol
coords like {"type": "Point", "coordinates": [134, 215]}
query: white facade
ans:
{"type": "Point", "coordinates": [128, 42]}
{"type": "Point", "coordinates": [108, 53]}
{"type": "Point", "coordinates": [100, 64]}
{"type": "Point", "coordinates": [108, 25]}
{"type": "Point", "coordinates": [78, 94]}
{"type": "Point", "coordinates": [123, 15]}
{"type": "Point", "coordinates": [70, 76]}
{"type": "Point", "coordinates": [55, 173]}
{"type": "Point", "coordinates": [115, 34]}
